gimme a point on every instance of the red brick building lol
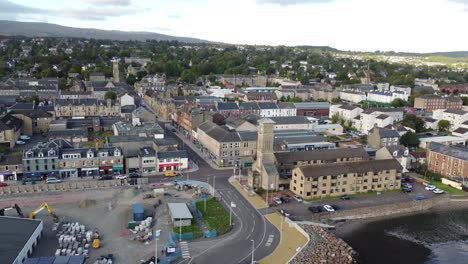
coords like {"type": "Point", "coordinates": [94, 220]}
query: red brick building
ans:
{"type": "Point", "coordinates": [431, 102]}
{"type": "Point", "coordinates": [450, 161]}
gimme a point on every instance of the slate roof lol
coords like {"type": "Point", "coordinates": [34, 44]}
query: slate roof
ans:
{"type": "Point", "coordinates": [335, 169]}
{"type": "Point", "coordinates": [227, 106]}
{"type": "Point", "coordinates": [456, 111]}
{"type": "Point", "coordinates": [387, 133]}
{"type": "Point", "coordinates": [399, 149]}
{"type": "Point", "coordinates": [249, 106]}
{"type": "Point", "coordinates": [323, 154]}
{"type": "Point", "coordinates": [348, 107]}
{"type": "Point", "coordinates": [286, 105]}
{"type": "Point", "coordinates": [283, 120]}
{"type": "Point", "coordinates": [8, 122]}
{"type": "Point", "coordinates": [37, 113]}
{"type": "Point", "coordinates": [172, 154]}
{"type": "Point", "coordinates": [147, 152]}
{"type": "Point", "coordinates": [461, 130]}
{"type": "Point", "coordinates": [267, 105]}
{"type": "Point", "coordinates": [460, 152]}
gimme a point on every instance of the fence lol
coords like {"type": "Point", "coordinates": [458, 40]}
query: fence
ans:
{"type": "Point", "coordinates": [211, 234]}
{"type": "Point", "coordinates": [183, 236]}
{"type": "Point", "coordinates": [65, 186]}
{"type": "Point", "coordinates": [198, 214]}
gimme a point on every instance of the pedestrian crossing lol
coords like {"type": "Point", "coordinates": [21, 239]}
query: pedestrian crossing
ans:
{"type": "Point", "coordinates": [184, 249]}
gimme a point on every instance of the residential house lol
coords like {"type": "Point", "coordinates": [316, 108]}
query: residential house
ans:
{"type": "Point", "coordinates": [351, 96]}
{"type": "Point", "coordinates": [269, 109]}
{"type": "Point", "coordinates": [226, 148]}
{"type": "Point", "coordinates": [401, 88]}
{"type": "Point", "coordinates": [461, 131]}
{"type": "Point", "coordinates": [337, 179]}
{"type": "Point", "coordinates": [97, 76]}
{"type": "Point", "coordinates": [86, 108]}
{"type": "Point", "coordinates": [382, 137]}
{"type": "Point", "coordinates": [148, 161]}
{"type": "Point", "coordinates": [398, 152]}
{"type": "Point", "coordinates": [81, 162]}
{"type": "Point", "coordinates": [450, 161]}
{"type": "Point", "coordinates": [260, 97]}
{"type": "Point", "coordinates": [287, 109]}
{"type": "Point", "coordinates": [239, 125]}
{"type": "Point", "coordinates": [143, 115]}
{"type": "Point", "coordinates": [367, 121]}
{"type": "Point", "coordinates": [10, 130]}
{"type": "Point", "coordinates": [327, 94]}
{"type": "Point", "coordinates": [228, 108]}
{"type": "Point", "coordinates": [346, 112]}
{"type": "Point", "coordinates": [431, 123]}
{"type": "Point", "coordinates": [11, 166]}
{"type": "Point", "coordinates": [246, 108]}
{"type": "Point", "coordinates": [287, 161]}
{"type": "Point", "coordinates": [34, 121]}
{"type": "Point", "coordinates": [429, 102]}
{"type": "Point", "coordinates": [386, 97]}
{"type": "Point", "coordinates": [446, 140]}
{"type": "Point", "coordinates": [126, 99]}
{"type": "Point", "coordinates": [456, 117]}
{"type": "Point", "coordinates": [40, 162]}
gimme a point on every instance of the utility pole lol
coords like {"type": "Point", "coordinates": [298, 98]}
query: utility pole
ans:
{"type": "Point", "coordinates": [253, 248]}
{"type": "Point", "coordinates": [180, 229]}
{"type": "Point", "coordinates": [214, 178]}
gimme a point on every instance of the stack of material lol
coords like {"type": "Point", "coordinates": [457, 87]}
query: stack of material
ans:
{"type": "Point", "coordinates": [73, 240]}
{"type": "Point", "coordinates": [105, 259]}
{"type": "Point", "coordinates": [143, 231]}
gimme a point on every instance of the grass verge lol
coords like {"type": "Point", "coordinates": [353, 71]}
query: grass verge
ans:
{"type": "Point", "coordinates": [447, 188]}
{"type": "Point", "coordinates": [194, 229]}
{"type": "Point", "coordinates": [215, 216]}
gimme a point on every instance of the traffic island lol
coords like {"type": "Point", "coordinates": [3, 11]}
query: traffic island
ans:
{"type": "Point", "coordinates": [292, 240]}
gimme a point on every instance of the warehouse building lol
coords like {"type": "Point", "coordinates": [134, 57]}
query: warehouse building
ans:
{"type": "Point", "coordinates": [180, 214]}
{"type": "Point", "coordinates": [18, 238]}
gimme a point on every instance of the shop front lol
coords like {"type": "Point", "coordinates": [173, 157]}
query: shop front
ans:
{"type": "Point", "coordinates": [88, 172]}
{"type": "Point", "coordinates": [68, 173]}
{"type": "Point", "coordinates": [105, 170]}
{"type": "Point", "coordinates": [169, 167]}
{"type": "Point", "coordinates": [53, 174]}
{"type": "Point", "coordinates": [118, 169]}
{"type": "Point", "coordinates": [8, 176]}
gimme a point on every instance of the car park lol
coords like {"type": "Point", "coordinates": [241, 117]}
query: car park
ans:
{"type": "Point", "coordinates": [285, 213]}
{"type": "Point", "coordinates": [406, 190]}
{"type": "Point", "coordinates": [345, 197]}
{"type": "Point", "coordinates": [25, 137]}
{"type": "Point", "coordinates": [277, 200]}
{"type": "Point", "coordinates": [53, 180]}
{"type": "Point", "coordinates": [20, 142]}
{"type": "Point", "coordinates": [315, 209]}
{"type": "Point", "coordinates": [121, 177]}
{"type": "Point", "coordinates": [438, 191]}
{"type": "Point", "coordinates": [430, 188]}
{"type": "Point", "coordinates": [328, 208]}
{"type": "Point", "coordinates": [298, 198]}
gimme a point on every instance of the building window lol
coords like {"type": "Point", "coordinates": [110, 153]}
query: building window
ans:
{"type": "Point", "coordinates": [308, 193]}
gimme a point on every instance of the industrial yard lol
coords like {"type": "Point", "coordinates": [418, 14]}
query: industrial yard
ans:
{"type": "Point", "coordinates": [109, 213]}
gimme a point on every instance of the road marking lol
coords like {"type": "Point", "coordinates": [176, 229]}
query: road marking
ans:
{"type": "Point", "coordinates": [185, 249]}
{"type": "Point", "coordinates": [269, 240]}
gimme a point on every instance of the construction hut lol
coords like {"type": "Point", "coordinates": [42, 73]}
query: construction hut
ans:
{"type": "Point", "coordinates": [180, 214]}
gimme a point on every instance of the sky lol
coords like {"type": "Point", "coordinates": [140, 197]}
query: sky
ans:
{"type": "Point", "coordinates": [357, 25]}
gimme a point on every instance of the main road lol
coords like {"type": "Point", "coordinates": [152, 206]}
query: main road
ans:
{"type": "Point", "coordinates": [251, 231]}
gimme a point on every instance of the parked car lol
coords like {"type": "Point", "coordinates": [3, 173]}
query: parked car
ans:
{"type": "Point", "coordinates": [284, 212]}
{"type": "Point", "coordinates": [406, 190]}
{"type": "Point", "coordinates": [425, 184]}
{"type": "Point", "coordinates": [277, 200]}
{"type": "Point", "coordinates": [284, 200]}
{"type": "Point", "coordinates": [420, 197]}
{"type": "Point", "coordinates": [53, 180]}
{"type": "Point", "coordinates": [20, 142]}
{"type": "Point", "coordinates": [298, 198]}
{"type": "Point", "coordinates": [408, 179]}
{"type": "Point", "coordinates": [105, 177]}
{"type": "Point", "coordinates": [430, 188]}
{"type": "Point", "coordinates": [134, 175]}
{"type": "Point", "coordinates": [315, 209]}
{"type": "Point", "coordinates": [121, 177]}
{"type": "Point", "coordinates": [438, 191]}
{"type": "Point", "coordinates": [328, 208]}
{"type": "Point", "coordinates": [25, 137]}
{"type": "Point", "coordinates": [2, 184]}
{"type": "Point", "coordinates": [345, 197]}
{"type": "Point", "coordinates": [335, 207]}
{"type": "Point", "coordinates": [407, 185]}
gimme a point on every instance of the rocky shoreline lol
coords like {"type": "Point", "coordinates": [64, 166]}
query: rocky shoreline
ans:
{"type": "Point", "coordinates": [324, 247]}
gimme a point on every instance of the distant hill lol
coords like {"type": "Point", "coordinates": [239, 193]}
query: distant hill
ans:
{"type": "Point", "coordinates": [35, 29]}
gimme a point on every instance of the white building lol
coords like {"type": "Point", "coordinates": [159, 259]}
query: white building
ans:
{"type": "Point", "coordinates": [172, 160]}
{"type": "Point", "coordinates": [287, 109]}
{"type": "Point", "coordinates": [347, 112]}
{"type": "Point", "coordinates": [386, 96]}
{"type": "Point", "coordinates": [383, 86]}
{"type": "Point", "coordinates": [330, 129]}
{"type": "Point", "coordinates": [126, 99]}
{"type": "Point", "coordinates": [354, 97]}
{"type": "Point", "coordinates": [456, 117]}
{"type": "Point", "coordinates": [430, 123]}
{"type": "Point", "coordinates": [367, 121]}
{"type": "Point", "coordinates": [268, 109]}
{"type": "Point", "coordinates": [292, 123]}
{"type": "Point", "coordinates": [446, 140]}
{"type": "Point", "coordinates": [400, 88]}
{"type": "Point", "coordinates": [400, 153]}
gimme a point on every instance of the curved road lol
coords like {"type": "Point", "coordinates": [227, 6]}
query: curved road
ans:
{"type": "Point", "coordinates": [248, 223]}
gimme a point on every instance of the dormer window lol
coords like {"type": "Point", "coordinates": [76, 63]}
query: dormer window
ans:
{"type": "Point", "coordinates": [51, 152]}
{"type": "Point", "coordinates": [40, 155]}
{"type": "Point", "coordinates": [29, 154]}
{"type": "Point", "coordinates": [406, 152]}
{"type": "Point", "coordinates": [90, 154]}
{"type": "Point", "coordinates": [116, 152]}
{"type": "Point", "coordinates": [395, 153]}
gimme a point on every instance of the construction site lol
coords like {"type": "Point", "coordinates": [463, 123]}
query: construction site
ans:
{"type": "Point", "coordinates": [125, 225]}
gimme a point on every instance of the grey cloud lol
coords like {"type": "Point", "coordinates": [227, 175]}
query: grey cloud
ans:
{"type": "Point", "coordinates": [8, 7]}
{"type": "Point", "coordinates": [292, 2]}
{"type": "Point", "coordinates": [109, 2]}
{"type": "Point", "coordinates": [95, 13]}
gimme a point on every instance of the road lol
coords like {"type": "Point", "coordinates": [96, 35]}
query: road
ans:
{"type": "Point", "coordinates": [249, 224]}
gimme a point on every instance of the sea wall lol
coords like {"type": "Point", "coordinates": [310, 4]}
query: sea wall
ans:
{"type": "Point", "coordinates": [385, 210]}
{"type": "Point", "coordinates": [324, 247]}
{"type": "Point", "coordinates": [65, 186]}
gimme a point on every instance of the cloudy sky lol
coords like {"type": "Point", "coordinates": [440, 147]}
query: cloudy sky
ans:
{"type": "Point", "coordinates": [365, 25]}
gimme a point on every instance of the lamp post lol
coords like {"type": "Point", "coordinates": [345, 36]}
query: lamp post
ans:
{"type": "Point", "coordinates": [253, 248]}
{"type": "Point", "coordinates": [180, 229]}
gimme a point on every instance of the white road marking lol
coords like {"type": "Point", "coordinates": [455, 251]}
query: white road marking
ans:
{"type": "Point", "coordinates": [270, 240]}
{"type": "Point", "coordinates": [185, 249]}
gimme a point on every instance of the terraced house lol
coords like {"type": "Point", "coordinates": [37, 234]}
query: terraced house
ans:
{"type": "Point", "coordinates": [78, 162]}
{"type": "Point", "coordinates": [86, 107]}
{"type": "Point", "coordinates": [336, 179]}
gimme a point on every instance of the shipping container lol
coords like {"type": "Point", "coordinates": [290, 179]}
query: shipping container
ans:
{"type": "Point", "coordinates": [31, 261]}
{"type": "Point", "coordinates": [76, 260]}
{"type": "Point", "coordinates": [46, 260]}
{"type": "Point", "coordinates": [61, 259]}
{"type": "Point", "coordinates": [138, 212]}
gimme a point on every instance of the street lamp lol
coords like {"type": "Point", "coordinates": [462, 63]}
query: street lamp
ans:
{"type": "Point", "coordinates": [253, 244]}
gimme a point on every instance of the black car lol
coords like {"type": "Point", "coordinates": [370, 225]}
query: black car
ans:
{"type": "Point", "coordinates": [105, 178]}
{"type": "Point", "coordinates": [284, 200]}
{"type": "Point", "coordinates": [134, 175]}
{"type": "Point", "coordinates": [345, 197]}
{"type": "Point", "coordinates": [336, 207]}
{"type": "Point", "coordinates": [315, 209]}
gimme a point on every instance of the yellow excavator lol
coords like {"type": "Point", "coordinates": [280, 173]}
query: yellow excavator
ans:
{"type": "Point", "coordinates": [43, 206]}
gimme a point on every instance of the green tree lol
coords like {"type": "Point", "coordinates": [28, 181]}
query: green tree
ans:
{"type": "Point", "coordinates": [335, 118]}
{"type": "Point", "coordinates": [335, 100]}
{"type": "Point", "coordinates": [465, 100]}
{"type": "Point", "coordinates": [110, 95]}
{"type": "Point", "coordinates": [443, 125]}
{"type": "Point", "coordinates": [62, 83]}
{"type": "Point", "coordinates": [414, 122]}
{"type": "Point", "coordinates": [409, 139]}
{"type": "Point", "coordinates": [34, 99]}
{"type": "Point", "coordinates": [398, 103]}
{"type": "Point", "coordinates": [131, 79]}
